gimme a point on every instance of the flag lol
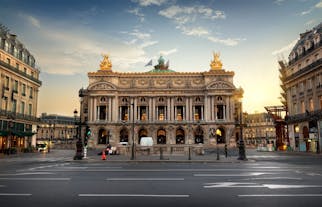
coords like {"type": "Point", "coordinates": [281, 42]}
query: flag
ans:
{"type": "Point", "coordinates": [149, 63]}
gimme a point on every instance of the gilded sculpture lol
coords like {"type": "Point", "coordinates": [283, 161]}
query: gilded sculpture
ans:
{"type": "Point", "coordinates": [106, 64]}
{"type": "Point", "coordinates": [216, 64]}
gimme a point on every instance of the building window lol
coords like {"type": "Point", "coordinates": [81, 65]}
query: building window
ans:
{"type": "Point", "coordinates": [198, 113]}
{"type": "Point", "coordinates": [124, 113]}
{"type": "Point", "coordinates": [179, 113]}
{"type": "Point", "coordinates": [23, 90]}
{"type": "Point", "coordinates": [311, 104]}
{"type": "Point", "coordinates": [15, 87]}
{"type": "Point", "coordinates": [302, 107]}
{"type": "Point", "coordinates": [309, 84]}
{"type": "Point", "coordinates": [17, 66]}
{"type": "Point", "coordinates": [22, 108]}
{"type": "Point", "coordinates": [25, 70]}
{"type": "Point", "coordinates": [320, 102]}
{"type": "Point", "coordinates": [161, 113]}
{"type": "Point", "coordinates": [14, 106]}
{"type": "Point", "coordinates": [30, 110]}
{"type": "Point", "coordinates": [220, 111]}
{"type": "Point", "coordinates": [8, 61]}
{"type": "Point", "coordinates": [7, 83]}
{"type": "Point", "coordinates": [294, 108]}
{"type": "Point", "coordinates": [30, 93]}
{"type": "Point", "coordinates": [143, 113]}
{"type": "Point", "coordinates": [102, 112]}
{"type": "Point", "coordinates": [301, 87]}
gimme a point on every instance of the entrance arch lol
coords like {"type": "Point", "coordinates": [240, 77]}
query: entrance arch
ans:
{"type": "Point", "coordinates": [142, 133]}
{"type": "Point", "coordinates": [161, 136]}
{"type": "Point", "coordinates": [221, 137]}
{"type": "Point", "coordinates": [124, 135]}
{"type": "Point", "coordinates": [103, 136]}
{"type": "Point", "coordinates": [199, 135]}
{"type": "Point", "coordinates": [180, 136]}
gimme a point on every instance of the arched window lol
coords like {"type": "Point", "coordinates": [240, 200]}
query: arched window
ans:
{"type": "Point", "coordinates": [161, 137]}
{"type": "Point", "coordinates": [180, 136]}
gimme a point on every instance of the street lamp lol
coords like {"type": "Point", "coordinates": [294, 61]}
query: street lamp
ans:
{"type": "Point", "coordinates": [242, 154]}
{"type": "Point", "coordinates": [218, 133]}
{"type": "Point", "coordinates": [79, 144]}
{"type": "Point", "coordinates": [132, 152]}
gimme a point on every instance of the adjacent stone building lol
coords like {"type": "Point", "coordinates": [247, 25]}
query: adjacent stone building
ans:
{"type": "Point", "coordinates": [19, 88]}
{"type": "Point", "coordinates": [174, 108]}
{"type": "Point", "coordinates": [302, 81]}
{"type": "Point", "coordinates": [259, 130]}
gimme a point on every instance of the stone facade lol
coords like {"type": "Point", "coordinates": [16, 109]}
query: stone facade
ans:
{"type": "Point", "coordinates": [174, 108]}
{"type": "Point", "coordinates": [19, 87]}
{"type": "Point", "coordinates": [303, 86]}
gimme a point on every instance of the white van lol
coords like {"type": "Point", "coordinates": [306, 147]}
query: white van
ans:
{"type": "Point", "coordinates": [146, 141]}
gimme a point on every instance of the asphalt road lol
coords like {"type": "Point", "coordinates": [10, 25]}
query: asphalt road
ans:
{"type": "Point", "coordinates": [267, 179]}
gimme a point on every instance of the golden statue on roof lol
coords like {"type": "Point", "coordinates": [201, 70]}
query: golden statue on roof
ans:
{"type": "Point", "coordinates": [106, 64]}
{"type": "Point", "coordinates": [216, 64]}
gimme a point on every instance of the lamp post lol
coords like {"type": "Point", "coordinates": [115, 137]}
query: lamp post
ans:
{"type": "Point", "coordinates": [218, 132]}
{"type": "Point", "coordinates": [79, 144]}
{"type": "Point", "coordinates": [132, 152]}
{"type": "Point", "coordinates": [242, 154]}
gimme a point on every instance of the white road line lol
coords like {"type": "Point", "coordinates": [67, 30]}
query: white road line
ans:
{"type": "Point", "coordinates": [276, 186]}
{"type": "Point", "coordinates": [28, 173]}
{"type": "Point", "coordinates": [134, 195]}
{"type": "Point", "coordinates": [145, 179]}
{"type": "Point", "coordinates": [275, 178]}
{"type": "Point", "coordinates": [38, 179]}
{"type": "Point", "coordinates": [281, 195]}
{"type": "Point", "coordinates": [233, 175]}
{"type": "Point", "coordinates": [15, 194]}
{"type": "Point", "coordinates": [156, 170]}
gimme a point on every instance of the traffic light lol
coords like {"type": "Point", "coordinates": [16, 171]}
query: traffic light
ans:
{"type": "Point", "coordinates": [88, 132]}
{"type": "Point", "coordinates": [87, 135]}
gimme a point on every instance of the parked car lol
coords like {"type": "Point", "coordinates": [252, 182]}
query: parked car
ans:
{"type": "Point", "coordinates": [42, 147]}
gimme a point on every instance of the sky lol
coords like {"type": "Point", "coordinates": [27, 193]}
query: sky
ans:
{"type": "Point", "coordinates": [68, 38]}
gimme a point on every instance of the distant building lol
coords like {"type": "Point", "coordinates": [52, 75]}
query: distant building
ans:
{"type": "Point", "coordinates": [259, 129]}
{"type": "Point", "coordinates": [302, 77]}
{"type": "Point", "coordinates": [56, 128]}
{"type": "Point", "coordinates": [174, 108]}
{"type": "Point", "coordinates": [19, 88]}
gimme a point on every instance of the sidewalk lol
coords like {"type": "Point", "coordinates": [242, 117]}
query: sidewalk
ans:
{"type": "Point", "coordinates": [67, 156]}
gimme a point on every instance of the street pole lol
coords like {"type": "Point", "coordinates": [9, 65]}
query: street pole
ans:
{"type": "Point", "coordinates": [79, 144]}
{"type": "Point", "coordinates": [242, 154]}
{"type": "Point", "coordinates": [217, 145]}
{"type": "Point", "coordinates": [132, 153]}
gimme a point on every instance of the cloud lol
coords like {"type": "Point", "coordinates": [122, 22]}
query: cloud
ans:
{"type": "Point", "coordinates": [318, 5]}
{"type": "Point", "coordinates": [145, 3]}
{"type": "Point", "coordinates": [279, 2]}
{"type": "Point", "coordinates": [168, 52]}
{"type": "Point", "coordinates": [228, 41]}
{"type": "Point", "coordinates": [137, 12]}
{"type": "Point", "coordinates": [303, 13]}
{"type": "Point", "coordinates": [184, 17]}
{"type": "Point", "coordinates": [32, 20]}
{"type": "Point", "coordinates": [77, 50]}
{"type": "Point", "coordinates": [197, 31]}
{"type": "Point", "coordinates": [285, 48]}
{"type": "Point", "coordinates": [190, 14]}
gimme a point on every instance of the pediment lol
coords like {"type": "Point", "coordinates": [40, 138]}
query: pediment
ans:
{"type": "Point", "coordinates": [102, 86]}
{"type": "Point", "coordinates": [221, 85]}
